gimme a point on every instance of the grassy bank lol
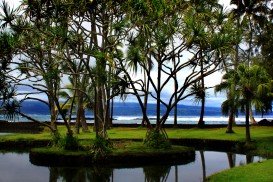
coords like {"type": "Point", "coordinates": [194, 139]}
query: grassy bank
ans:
{"type": "Point", "coordinates": [261, 172]}
{"type": "Point", "coordinates": [124, 154]}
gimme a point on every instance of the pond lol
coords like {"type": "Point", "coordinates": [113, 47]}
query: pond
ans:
{"type": "Point", "coordinates": [16, 167]}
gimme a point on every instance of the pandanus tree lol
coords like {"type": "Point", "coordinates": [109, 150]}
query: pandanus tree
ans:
{"type": "Point", "coordinates": [12, 23]}
{"type": "Point", "coordinates": [203, 12]}
{"type": "Point", "coordinates": [171, 29]}
{"type": "Point", "coordinates": [8, 103]}
{"type": "Point", "coordinates": [39, 62]}
{"type": "Point", "coordinates": [252, 85]}
{"type": "Point", "coordinates": [102, 28]}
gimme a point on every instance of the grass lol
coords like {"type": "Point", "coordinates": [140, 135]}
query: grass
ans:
{"type": "Point", "coordinates": [261, 172]}
{"type": "Point", "coordinates": [257, 133]}
{"type": "Point", "coordinates": [118, 148]}
{"type": "Point", "coordinates": [138, 147]}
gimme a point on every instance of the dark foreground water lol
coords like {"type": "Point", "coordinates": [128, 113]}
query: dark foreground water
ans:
{"type": "Point", "coordinates": [16, 167]}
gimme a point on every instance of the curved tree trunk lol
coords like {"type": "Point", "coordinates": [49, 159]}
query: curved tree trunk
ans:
{"type": "Point", "coordinates": [201, 123]}
{"type": "Point", "coordinates": [231, 122]}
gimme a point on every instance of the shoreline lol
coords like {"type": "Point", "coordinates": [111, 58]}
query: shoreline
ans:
{"type": "Point", "coordinates": [31, 127]}
{"type": "Point", "coordinates": [47, 157]}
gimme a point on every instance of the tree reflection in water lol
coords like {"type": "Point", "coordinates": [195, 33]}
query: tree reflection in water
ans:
{"type": "Point", "coordinates": [156, 173]}
{"type": "Point", "coordinates": [95, 174]}
{"type": "Point", "coordinates": [231, 159]}
{"type": "Point", "coordinates": [203, 164]}
{"type": "Point", "coordinates": [207, 163]}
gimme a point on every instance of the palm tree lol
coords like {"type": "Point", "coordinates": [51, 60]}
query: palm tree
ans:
{"type": "Point", "coordinates": [198, 89]}
{"type": "Point", "coordinates": [230, 106]}
{"type": "Point", "coordinates": [252, 84]}
{"type": "Point", "coordinates": [253, 14]}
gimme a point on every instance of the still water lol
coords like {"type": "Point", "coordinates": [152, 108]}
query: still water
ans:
{"type": "Point", "coordinates": [16, 167]}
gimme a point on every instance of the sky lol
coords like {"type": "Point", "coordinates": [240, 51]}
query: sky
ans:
{"type": "Point", "coordinates": [210, 81]}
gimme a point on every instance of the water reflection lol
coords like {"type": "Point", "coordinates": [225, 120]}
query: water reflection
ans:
{"type": "Point", "coordinates": [80, 174]}
{"type": "Point", "coordinates": [16, 167]}
{"type": "Point", "coordinates": [156, 173]}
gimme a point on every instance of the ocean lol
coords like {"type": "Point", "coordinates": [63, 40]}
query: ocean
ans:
{"type": "Point", "coordinates": [130, 113]}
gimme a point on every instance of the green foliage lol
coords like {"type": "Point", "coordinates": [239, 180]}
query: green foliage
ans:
{"type": "Point", "coordinates": [101, 147]}
{"type": "Point", "coordinates": [55, 138]}
{"type": "Point", "coordinates": [52, 75]}
{"type": "Point", "coordinates": [69, 142]}
{"type": "Point", "coordinates": [10, 107]}
{"type": "Point", "coordinates": [156, 140]}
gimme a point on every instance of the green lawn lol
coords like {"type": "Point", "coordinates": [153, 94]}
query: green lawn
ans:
{"type": "Point", "coordinates": [261, 172]}
{"type": "Point", "coordinates": [257, 133]}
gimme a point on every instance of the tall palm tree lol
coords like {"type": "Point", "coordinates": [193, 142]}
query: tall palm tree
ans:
{"type": "Point", "coordinates": [253, 14]}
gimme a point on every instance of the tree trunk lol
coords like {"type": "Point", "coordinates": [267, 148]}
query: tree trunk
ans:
{"type": "Point", "coordinates": [53, 114]}
{"type": "Point", "coordinates": [252, 119]}
{"type": "Point", "coordinates": [83, 122]}
{"type": "Point", "coordinates": [249, 159]}
{"type": "Point", "coordinates": [248, 139]}
{"type": "Point", "coordinates": [231, 121]}
{"type": "Point", "coordinates": [175, 90]}
{"type": "Point", "coordinates": [78, 120]}
{"type": "Point", "coordinates": [112, 112]}
{"type": "Point", "coordinates": [201, 123]}
{"type": "Point", "coordinates": [99, 112]}
{"type": "Point", "coordinates": [175, 98]}
{"type": "Point", "coordinates": [158, 95]}
{"type": "Point", "coordinates": [175, 114]}
{"type": "Point", "coordinates": [145, 98]}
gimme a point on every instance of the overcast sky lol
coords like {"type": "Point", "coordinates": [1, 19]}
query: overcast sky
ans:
{"type": "Point", "coordinates": [211, 80]}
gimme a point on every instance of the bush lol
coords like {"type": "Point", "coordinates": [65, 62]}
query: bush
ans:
{"type": "Point", "coordinates": [69, 142]}
{"type": "Point", "coordinates": [156, 140]}
{"type": "Point", "coordinates": [101, 147]}
{"type": "Point", "coordinates": [56, 137]}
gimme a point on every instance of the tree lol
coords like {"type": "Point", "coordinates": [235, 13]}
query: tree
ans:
{"type": "Point", "coordinates": [169, 33]}
{"type": "Point", "coordinates": [11, 29]}
{"type": "Point", "coordinates": [254, 18]}
{"type": "Point", "coordinates": [252, 84]}
{"type": "Point", "coordinates": [231, 105]}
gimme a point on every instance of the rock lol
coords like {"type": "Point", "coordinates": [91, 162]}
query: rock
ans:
{"type": "Point", "coordinates": [265, 122]}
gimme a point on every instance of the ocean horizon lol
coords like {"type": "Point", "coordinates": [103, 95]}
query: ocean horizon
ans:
{"type": "Point", "coordinates": [130, 113]}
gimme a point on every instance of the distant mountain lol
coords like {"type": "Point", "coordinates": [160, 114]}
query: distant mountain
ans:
{"type": "Point", "coordinates": [124, 109]}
